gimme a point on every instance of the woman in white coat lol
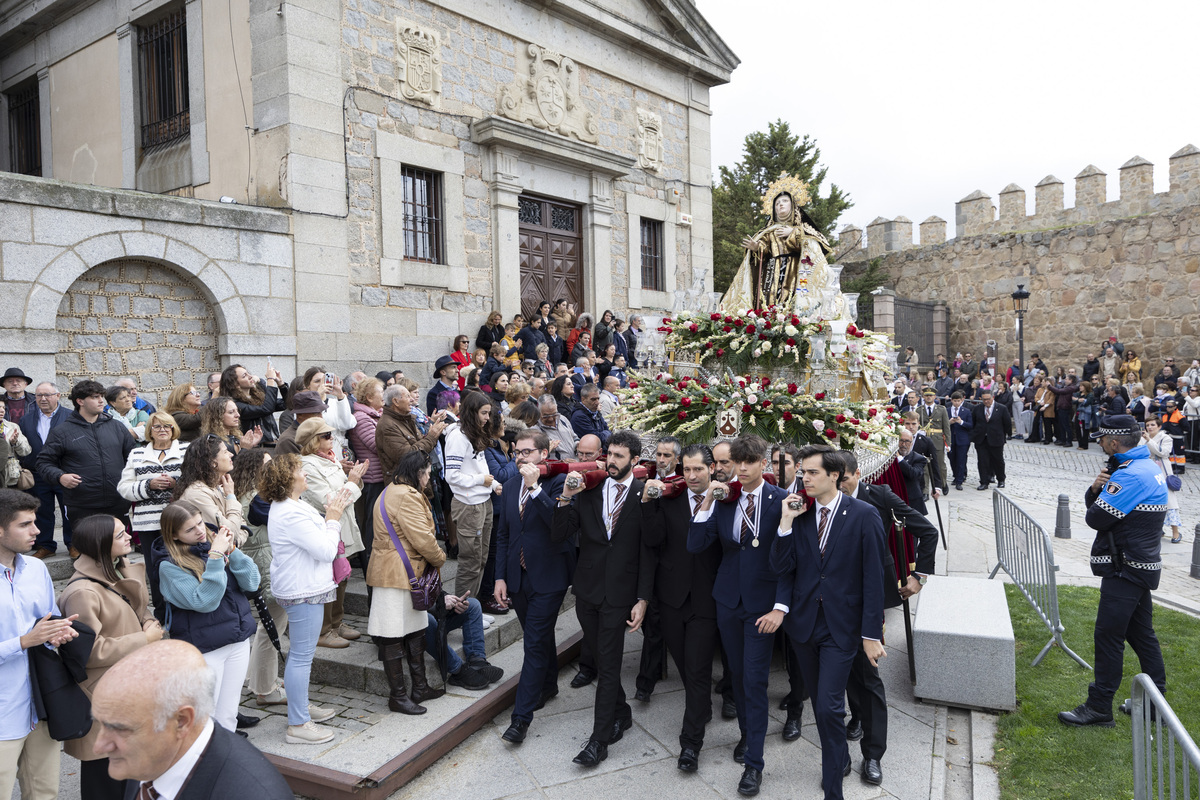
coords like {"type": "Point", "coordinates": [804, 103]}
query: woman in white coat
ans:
{"type": "Point", "coordinates": [1160, 445]}
{"type": "Point", "coordinates": [322, 465]}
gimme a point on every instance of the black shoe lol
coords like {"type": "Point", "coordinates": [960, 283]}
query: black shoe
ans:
{"type": "Point", "coordinates": [739, 752]}
{"type": "Point", "coordinates": [751, 780]}
{"type": "Point", "coordinates": [492, 674]}
{"type": "Point", "coordinates": [1000, 485]}
{"type": "Point", "coordinates": [619, 727]}
{"type": "Point", "coordinates": [546, 697]}
{"type": "Point", "coordinates": [246, 721]}
{"type": "Point", "coordinates": [1085, 715]}
{"type": "Point", "coordinates": [1126, 708]}
{"type": "Point", "coordinates": [592, 754]}
{"type": "Point", "coordinates": [854, 730]}
{"type": "Point", "coordinates": [452, 552]}
{"type": "Point", "coordinates": [728, 708]}
{"type": "Point", "coordinates": [783, 704]}
{"type": "Point", "coordinates": [242, 734]}
{"type": "Point", "coordinates": [689, 760]}
{"type": "Point", "coordinates": [642, 696]}
{"type": "Point", "coordinates": [791, 728]}
{"type": "Point", "coordinates": [468, 678]}
{"type": "Point", "coordinates": [582, 679]}
{"type": "Point", "coordinates": [871, 771]}
{"type": "Point", "coordinates": [958, 486]}
{"type": "Point", "coordinates": [981, 487]}
{"type": "Point", "coordinates": [516, 732]}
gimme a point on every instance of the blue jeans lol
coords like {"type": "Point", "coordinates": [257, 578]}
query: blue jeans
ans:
{"type": "Point", "coordinates": [471, 622]}
{"type": "Point", "coordinates": [304, 627]}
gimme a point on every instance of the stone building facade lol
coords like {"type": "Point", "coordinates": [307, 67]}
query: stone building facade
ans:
{"type": "Point", "coordinates": [1129, 267]}
{"type": "Point", "coordinates": [342, 182]}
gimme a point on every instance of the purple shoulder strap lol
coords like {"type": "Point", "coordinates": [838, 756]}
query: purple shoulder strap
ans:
{"type": "Point", "coordinates": [387, 521]}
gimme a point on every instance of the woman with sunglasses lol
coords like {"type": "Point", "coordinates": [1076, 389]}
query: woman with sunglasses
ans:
{"type": "Point", "coordinates": [204, 481]}
{"type": "Point", "coordinates": [184, 407]}
{"type": "Point", "coordinates": [326, 479]}
{"type": "Point", "coordinates": [220, 416]}
{"type": "Point", "coordinates": [204, 579]}
{"type": "Point", "coordinates": [148, 481]}
{"type": "Point", "coordinates": [108, 593]}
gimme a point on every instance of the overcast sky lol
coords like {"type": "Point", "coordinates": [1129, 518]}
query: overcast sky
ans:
{"type": "Point", "coordinates": [916, 105]}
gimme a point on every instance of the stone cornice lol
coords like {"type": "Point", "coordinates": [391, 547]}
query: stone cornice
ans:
{"type": "Point", "coordinates": [549, 146]}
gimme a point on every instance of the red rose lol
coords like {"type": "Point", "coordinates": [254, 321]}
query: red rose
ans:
{"type": "Point", "coordinates": [714, 317]}
{"type": "Point", "coordinates": [850, 329]}
{"type": "Point", "coordinates": [891, 409]}
{"type": "Point", "coordinates": [766, 381]}
{"type": "Point", "coordinates": [728, 318]}
{"type": "Point", "coordinates": [720, 352]}
{"type": "Point", "coordinates": [854, 420]}
{"type": "Point", "coordinates": [693, 327]}
{"type": "Point", "coordinates": [746, 409]}
{"type": "Point", "coordinates": [830, 433]}
{"type": "Point", "coordinates": [750, 329]}
{"type": "Point", "coordinates": [662, 398]}
{"type": "Point", "coordinates": [819, 396]}
{"type": "Point", "coordinates": [762, 337]}
{"type": "Point", "coordinates": [670, 381]}
{"type": "Point", "coordinates": [683, 415]}
{"type": "Point", "coordinates": [860, 335]}
{"type": "Point", "coordinates": [864, 435]}
{"type": "Point", "coordinates": [704, 400]}
{"type": "Point", "coordinates": [840, 418]}
{"type": "Point", "coordinates": [708, 345]}
{"type": "Point", "coordinates": [787, 416]}
{"type": "Point", "coordinates": [704, 386]}
{"type": "Point", "coordinates": [633, 384]}
{"type": "Point", "coordinates": [872, 412]}
{"type": "Point", "coordinates": [870, 358]}
{"type": "Point", "coordinates": [766, 403]}
{"type": "Point", "coordinates": [726, 328]}
{"type": "Point", "coordinates": [793, 388]}
{"type": "Point", "coordinates": [742, 383]}
{"type": "Point", "coordinates": [686, 402]}
{"type": "Point", "coordinates": [795, 320]}
{"type": "Point", "coordinates": [791, 342]}
{"type": "Point", "coordinates": [767, 324]}
{"type": "Point", "coordinates": [737, 323]}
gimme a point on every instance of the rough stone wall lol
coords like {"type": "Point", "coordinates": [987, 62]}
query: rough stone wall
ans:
{"type": "Point", "coordinates": [135, 319]}
{"type": "Point", "coordinates": [1137, 278]}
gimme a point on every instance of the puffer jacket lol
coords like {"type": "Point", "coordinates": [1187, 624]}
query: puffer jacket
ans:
{"type": "Point", "coordinates": [96, 452]}
{"type": "Point", "coordinates": [1130, 508]}
{"type": "Point", "coordinates": [212, 612]}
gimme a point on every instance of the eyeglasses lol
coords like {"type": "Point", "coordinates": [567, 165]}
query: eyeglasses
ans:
{"type": "Point", "coordinates": [525, 452]}
{"type": "Point", "coordinates": [46, 396]}
{"type": "Point", "coordinates": [194, 392]}
{"type": "Point", "coordinates": [161, 428]}
{"type": "Point", "coordinates": [326, 435]}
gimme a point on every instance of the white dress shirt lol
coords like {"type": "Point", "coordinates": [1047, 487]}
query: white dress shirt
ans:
{"type": "Point", "coordinates": [702, 517]}
{"type": "Point", "coordinates": [168, 785]}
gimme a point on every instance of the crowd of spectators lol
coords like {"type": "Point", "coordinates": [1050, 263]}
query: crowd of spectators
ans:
{"type": "Point", "coordinates": [257, 488]}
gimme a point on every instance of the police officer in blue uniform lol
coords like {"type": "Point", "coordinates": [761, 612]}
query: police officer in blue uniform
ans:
{"type": "Point", "coordinates": [1126, 506]}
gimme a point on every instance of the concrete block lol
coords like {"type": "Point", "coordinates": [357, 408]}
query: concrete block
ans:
{"type": "Point", "coordinates": [264, 248]}
{"type": "Point", "coordinates": [418, 349]}
{"type": "Point", "coordinates": [964, 645]}
{"type": "Point", "coordinates": [24, 262]}
{"type": "Point", "coordinates": [323, 317]}
{"type": "Point", "coordinates": [61, 272]}
{"type": "Point", "coordinates": [322, 289]}
{"type": "Point", "coordinates": [212, 242]}
{"type": "Point", "coordinates": [249, 278]}
{"type": "Point", "coordinates": [138, 243]}
{"type": "Point", "coordinates": [269, 314]}
{"type": "Point", "coordinates": [16, 223]}
{"type": "Point", "coordinates": [322, 259]}
{"type": "Point", "coordinates": [55, 226]}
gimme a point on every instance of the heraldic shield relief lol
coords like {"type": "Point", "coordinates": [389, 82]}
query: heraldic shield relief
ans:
{"type": "Point", "coordinates": [420, 63]}
{"type": "Point", "coordinates": [549, 97]}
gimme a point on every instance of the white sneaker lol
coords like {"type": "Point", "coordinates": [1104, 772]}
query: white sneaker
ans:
{"type": "Point", "coordinates": [275, 697]}
{"type": "Point", "coordinates": [485, 624]}
{"type": "Point", "coordinates": [308, 733]}
{"type": "Point", "coordinates": [488, 619]}
{"type": "Point", "coordinates": [320, 713]}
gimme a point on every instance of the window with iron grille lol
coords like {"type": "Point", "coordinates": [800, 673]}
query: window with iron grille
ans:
{"type": "Point", "coordinates": [652, 255]}
{"type": "Point", "coordinates": [422, 208]}
{"type": "Point", "coordinates": [25, 131]}
{"type": "Point", "coordinates": [162, 59]}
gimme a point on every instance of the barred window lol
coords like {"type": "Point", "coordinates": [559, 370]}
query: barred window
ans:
{"type": "Point", "coordinates": [652, 255]}
{"type": "Point", "coordinates": [422, 209]}
{"type": "Point", "coordinates": [25, 131]}
{"type": "Point", "coordinates": [162, 59]}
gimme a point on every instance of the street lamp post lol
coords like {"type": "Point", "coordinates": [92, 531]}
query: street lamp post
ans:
{"type": "Point", "coordinates": [1020, 300]}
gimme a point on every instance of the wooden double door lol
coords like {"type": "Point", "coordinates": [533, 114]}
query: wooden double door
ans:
{"type": "Point", "coordinates": [551, 253]}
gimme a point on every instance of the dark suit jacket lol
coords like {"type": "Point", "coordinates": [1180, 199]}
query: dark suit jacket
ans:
{"type": "Point", "coordinates": [889, 505]}
{"type": "Point", "coordinates": [927, 446]}
{"type": "Point", "coordinates": [849, 579]}
{"type": "Point", "coordinates": [679, 574]}
{"type": "Point", "coordinates": [54, 677]}
{"type": "Point", "coordinates": [549, 565]}
{"type": "Point", "coordinates": [229, 767]}
{"type": "Point", "coordinates": [961, 434]}
{"type": "Point", "coordinates": [745, 575]}
{"type": "Point", "coordinates": [616, 571]}
{"type": "Point", "coordinates": [28, 427]}
{"type": "Point", "coordinates": [912, 468]}
{"type": "Point", "coordinates": [992, 432]}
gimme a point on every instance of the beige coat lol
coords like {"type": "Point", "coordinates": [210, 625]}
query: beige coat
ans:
{"type": "Point", "coordinates": [413, 520]}
{"type": "Point", "coordinates": [217, 509]}
{"type": "Point", "coordinates": [118, 626]}
{"type": "Point", "coordinates": [325, 479]}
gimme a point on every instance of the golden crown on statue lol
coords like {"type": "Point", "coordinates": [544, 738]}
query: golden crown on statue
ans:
{"type": "Point", "coordinates": [791, 184]}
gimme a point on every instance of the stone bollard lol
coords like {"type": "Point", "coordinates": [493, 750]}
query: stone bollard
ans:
{"type": "Point", "coordinates": [1062, 522]}
{"type": "Point", "coordinates": [1196, 553]}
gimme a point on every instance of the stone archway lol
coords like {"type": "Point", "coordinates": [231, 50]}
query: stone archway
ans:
{"type": "Point", "coordinates": [136, 318]}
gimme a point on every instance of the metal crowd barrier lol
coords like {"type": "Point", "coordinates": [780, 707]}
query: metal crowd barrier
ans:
{"type": "Point", "coordinates": [1025, 552]}
{"type": "Point", "coordinates": [1157, 771]}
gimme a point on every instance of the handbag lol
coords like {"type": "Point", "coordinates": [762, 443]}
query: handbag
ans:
{"type": "Point", "coordinates": [1174, 482]}
{"type": "Point", "coordinates": [341, 564]}
{"type": "Point", "coordinates": [426, 590]}
{"type": "Point", "coordinates": [25, 480]}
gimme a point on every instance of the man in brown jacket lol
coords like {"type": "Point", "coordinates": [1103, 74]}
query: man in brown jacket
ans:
{"type": "Point", "coordinates": [397, 432]}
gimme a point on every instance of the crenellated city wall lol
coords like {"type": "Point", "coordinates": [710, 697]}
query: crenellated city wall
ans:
{"type": "Point", "coordinates": [1128, 267]}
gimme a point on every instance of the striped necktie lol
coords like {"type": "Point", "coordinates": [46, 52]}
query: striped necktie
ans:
{"type": "Point", "coordinates": [146, 792]}
{"type": "Point", "coordinates": [747, 516]}
{"type": "Point", "coordinates": [524, 499]}
{"type": "Point", "coordinates": [823, 531]}
{"type": "Point", "coordinates": [696, 501]}
{"type": "Point", "coordinates": [618, 504]}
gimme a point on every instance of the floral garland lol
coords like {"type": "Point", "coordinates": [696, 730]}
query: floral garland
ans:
{"type": "Point", "coordinates": [767, 338]}
{"type": "Point", "coordinates": [688, 408]}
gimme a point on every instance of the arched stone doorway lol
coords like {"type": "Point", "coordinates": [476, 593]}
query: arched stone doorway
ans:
{"type": "Point", "coordinates": [136, 318]}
